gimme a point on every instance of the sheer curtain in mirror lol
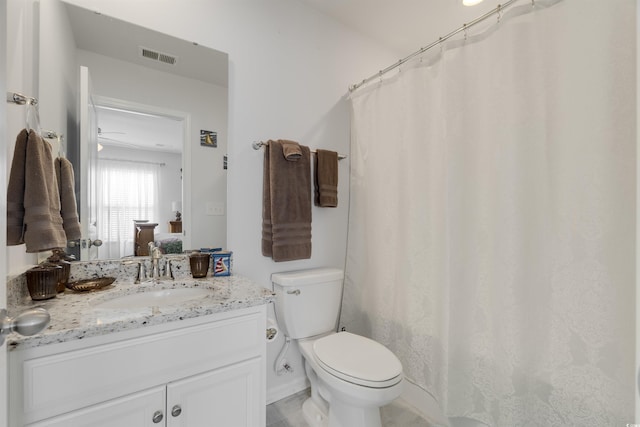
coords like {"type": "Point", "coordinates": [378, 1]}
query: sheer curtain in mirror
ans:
{"type": "Point", "coordinates": [127, 191]}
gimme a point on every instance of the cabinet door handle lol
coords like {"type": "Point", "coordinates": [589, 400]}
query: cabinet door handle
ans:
{"type": "Point", "coordinates": [157, 417]}
{"type": "Point", "coordinates": [176, 410]}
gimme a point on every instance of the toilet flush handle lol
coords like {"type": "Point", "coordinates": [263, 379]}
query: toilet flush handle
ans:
{"type": "Point", "coordinates": [294, 292]}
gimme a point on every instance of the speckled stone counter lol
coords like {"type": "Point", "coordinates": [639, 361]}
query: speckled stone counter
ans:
{"type": "Point", "coordinates": [76, 315]}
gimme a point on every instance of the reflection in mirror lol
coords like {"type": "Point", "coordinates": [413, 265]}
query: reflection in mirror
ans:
{"type": "Point", "coordinates": [139, 153]}
{"type": "Point", "coordinates": [154, 96]}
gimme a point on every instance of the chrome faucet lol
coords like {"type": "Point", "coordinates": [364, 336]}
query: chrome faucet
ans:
{"type": "Point", "coordinates": [156, 255]}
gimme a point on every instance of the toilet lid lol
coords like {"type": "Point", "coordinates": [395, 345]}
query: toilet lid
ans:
{"type": "Point", "coordinates": [358, 360]}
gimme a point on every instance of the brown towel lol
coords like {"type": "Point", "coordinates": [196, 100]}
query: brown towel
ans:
{"type": "Point", "coordinates": [326, 179]}
{"type": "Point", "coordinates": [68, 206]}
{"type": "Point", "coordinates": [291, 150]}
{"type": "Point", "coordinates": [42, 220]}
{"type": "Point", "coordinates": [15, 192]}
{"type": "Point", "coordinates": [286, 209]}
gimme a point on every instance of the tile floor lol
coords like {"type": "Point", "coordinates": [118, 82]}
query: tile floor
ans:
{"type": "Point", "coordinates": [288, 413]}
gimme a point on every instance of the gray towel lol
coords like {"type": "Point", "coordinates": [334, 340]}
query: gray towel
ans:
{"type": "Point", "coordinates": [41, 222]}
{"type": "Point", "coordinates": [326, 178]}
{"type": "Point", "coordinates": [286, 210]}
{"type": "Point", "coordinates": [291, 150]}
{"type": "Point", "coordinates": [68, 206]}
{"type": "Point", "coordinates": [15, 192]}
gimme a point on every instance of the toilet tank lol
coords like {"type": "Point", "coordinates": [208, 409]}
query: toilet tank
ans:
{"type": "Point", "coordinates": [308, 301]}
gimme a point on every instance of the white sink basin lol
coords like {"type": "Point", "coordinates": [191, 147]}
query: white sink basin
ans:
{"type": "Point", "coordinates": [154, 298]}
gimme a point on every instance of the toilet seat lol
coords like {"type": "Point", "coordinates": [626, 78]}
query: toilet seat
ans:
{"type": "Point", "coordinates": [358, 360]}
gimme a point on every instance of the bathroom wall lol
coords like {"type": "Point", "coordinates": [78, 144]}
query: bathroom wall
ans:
{"type": "Point", "coordinates": [290, 68]}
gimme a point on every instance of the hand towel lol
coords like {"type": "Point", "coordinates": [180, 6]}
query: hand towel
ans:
{"type": "Point", "coordinates": [42, 221]}
{"type": "Point", "coordinates": [291, 150]}
{"type": "Point", "coordinates": [68, 205]}
{"type": "Point", "coordinates": [326, 179]}
{"type": "Point", "coordinates": [15, 192]}
{"type": "Point", "coordinates": [267, 243]}
{"type": "Point", "coordinates": [286, 211]}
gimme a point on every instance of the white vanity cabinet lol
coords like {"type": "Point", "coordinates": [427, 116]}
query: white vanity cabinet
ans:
{"type": "Point", "coordinates": [137, 409]}
{"type": "Point", "coordinates": [208, 371]}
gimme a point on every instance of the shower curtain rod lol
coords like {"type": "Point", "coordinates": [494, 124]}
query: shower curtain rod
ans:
{"type": "Point", "coordinates": [422, 50]}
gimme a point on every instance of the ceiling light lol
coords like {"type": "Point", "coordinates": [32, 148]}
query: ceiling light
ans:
{"type": "Point", "coordinates": [471, 2]}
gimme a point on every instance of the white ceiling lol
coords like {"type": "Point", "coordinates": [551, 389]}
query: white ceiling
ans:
{"type": "Point", "coordinates": [126, 129]}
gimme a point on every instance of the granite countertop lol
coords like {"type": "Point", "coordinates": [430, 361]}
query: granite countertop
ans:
{"type": "Point", "coordinates": [76, 315]}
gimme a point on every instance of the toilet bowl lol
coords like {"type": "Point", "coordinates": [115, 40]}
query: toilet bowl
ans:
{"type": "Point", "coordinates": [354, 375]}
{"type": "Point", "coordinates": [351, 376]}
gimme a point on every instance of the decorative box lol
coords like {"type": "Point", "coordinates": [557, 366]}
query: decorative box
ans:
{"type": "Point", "coordinates": [222, 262]}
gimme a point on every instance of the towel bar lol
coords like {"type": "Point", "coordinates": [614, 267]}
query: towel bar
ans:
{"type": "Point", "coordinates": [20, 99]}
{"type": "Point", "coordinates": [259, 144]}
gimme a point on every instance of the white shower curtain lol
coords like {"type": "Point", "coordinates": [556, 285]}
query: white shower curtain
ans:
{"type": "Point", "coordinates": [491, 235]}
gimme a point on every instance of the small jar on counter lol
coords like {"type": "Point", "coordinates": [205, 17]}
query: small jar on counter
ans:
{"type": "Point", "coordinates": [59, 258]}
{"type": "Point", "coordinates": [42, 281]}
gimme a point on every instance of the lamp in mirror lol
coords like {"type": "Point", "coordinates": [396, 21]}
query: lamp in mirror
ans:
{"type": "Point", "coordinates": [176, 206]}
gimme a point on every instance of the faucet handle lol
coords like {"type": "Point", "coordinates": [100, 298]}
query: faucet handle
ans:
{"type": "Point", "coordinates": [168, 271]}
{"type": "Point", "coordinates": [139, 272]}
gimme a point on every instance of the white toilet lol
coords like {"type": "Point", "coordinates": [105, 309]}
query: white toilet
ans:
{"type": "Point", "coordinates": [351, 376]}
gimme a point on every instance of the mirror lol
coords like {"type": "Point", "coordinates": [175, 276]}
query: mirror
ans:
{"type": "Point", "coordinates": [161, 104]}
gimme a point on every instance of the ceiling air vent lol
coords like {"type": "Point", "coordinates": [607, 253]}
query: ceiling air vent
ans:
{"type": "Point", "coordinates": [158, 56]}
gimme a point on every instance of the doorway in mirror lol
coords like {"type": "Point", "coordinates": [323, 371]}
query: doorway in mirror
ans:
{"type": "Point", "coordinates": [138, 175]}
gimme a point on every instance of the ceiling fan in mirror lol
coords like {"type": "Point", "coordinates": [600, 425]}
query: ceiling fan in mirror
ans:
{"type": "Point", "coordinates": [104, 137]}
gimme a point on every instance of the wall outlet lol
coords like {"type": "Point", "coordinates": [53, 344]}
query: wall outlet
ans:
{"type": "Point", "coordinates": [214, 209]}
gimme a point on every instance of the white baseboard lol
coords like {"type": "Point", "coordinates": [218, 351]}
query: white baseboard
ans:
{"type": "Point", "coordinates": [285, 390]}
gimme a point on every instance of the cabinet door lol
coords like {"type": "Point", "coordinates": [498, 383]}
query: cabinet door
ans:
{"type": "Point", "coordinates": [226, 397]}
{"type": "Point", "coordinates": [137, 409]}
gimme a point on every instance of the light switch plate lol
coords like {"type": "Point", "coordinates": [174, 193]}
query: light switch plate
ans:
{"type": "Point", "coordinates": [214, 209]}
